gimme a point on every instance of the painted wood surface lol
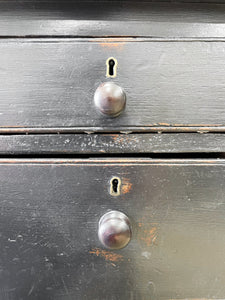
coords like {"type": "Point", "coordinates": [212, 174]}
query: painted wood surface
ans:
{"type": "Point", "coordinates": [119, 144]}
{"type": "Point", "coordinates": [52, 83]}
{"type": "Point", "coordinates": [170, 63]}
{"type": "Point", "coordinates": [48, 229]}
{"type": "Point", "coordinates": [112, 18]}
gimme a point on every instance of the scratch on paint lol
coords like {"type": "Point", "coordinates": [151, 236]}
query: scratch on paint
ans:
{"type": "Point", "coordinates": [121, 139]}
{"type": "Point", "coordinates": [149, 236]}
{"type": "Point", "coordinates": [107, 255]}
{"type": "Point", "coordinates": [31, 290]}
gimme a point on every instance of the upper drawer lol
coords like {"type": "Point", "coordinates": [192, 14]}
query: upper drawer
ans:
{"type": "Point", "coordinates": [112, 18]}
{"type": "Point", "coordinates": [51, 84]}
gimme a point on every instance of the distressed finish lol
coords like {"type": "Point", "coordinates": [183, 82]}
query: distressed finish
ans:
{"type": "Point", "coordinates": [169, 59]}
{"type": "Point", "coordinates": [49, 219]}
{"type": "Point", "coordinates": [120, 144]}
{"type": "Point", "coordinates": [52, 84]}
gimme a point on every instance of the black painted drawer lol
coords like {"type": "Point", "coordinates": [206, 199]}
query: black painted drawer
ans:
{"type": "Point", "coordinates": [168, 84]}
{"type": "Point", "coordinates": [85, 18]}
{"type": "Point", "coordinates": [49, 213]}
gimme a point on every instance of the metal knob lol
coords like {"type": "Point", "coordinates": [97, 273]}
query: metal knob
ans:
{"type": "Point", "coordinates": [114, 230]}
{"type": "Point", "coordinates": [110, 99]}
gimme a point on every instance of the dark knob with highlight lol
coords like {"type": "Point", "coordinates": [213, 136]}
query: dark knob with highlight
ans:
{"type": "Point", "coordinates": [110, 99]}
{"type": "Point", "coordinates": [114, 230]}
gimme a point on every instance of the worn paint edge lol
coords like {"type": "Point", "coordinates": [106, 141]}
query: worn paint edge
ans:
{"type": "Point", "coordinates": [118, 162]}
{"type": "Point", "coordinates": [122, 129]}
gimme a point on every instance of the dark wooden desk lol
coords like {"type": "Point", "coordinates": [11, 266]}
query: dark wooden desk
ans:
{"type": "Point", "coordinates": [59, 156]}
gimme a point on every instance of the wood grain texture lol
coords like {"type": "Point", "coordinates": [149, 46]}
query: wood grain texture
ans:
{"type": "Point", "coordinates": [112, 18]}
{"type": "Point", "coordinates": [52, 83]}
{"type": "Point", "coordinates": [92, 144]}
{"type": "Point", "coordinates": [48, 229]}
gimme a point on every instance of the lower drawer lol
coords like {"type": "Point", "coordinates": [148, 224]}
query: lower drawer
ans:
{"type": "Point", "coordinates": [49, 214]}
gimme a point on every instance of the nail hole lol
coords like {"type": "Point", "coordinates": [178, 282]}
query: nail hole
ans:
{"type": "Point", "coordinates": [115, 186]}
{"type": "Point", "coordinates": [111, 65]}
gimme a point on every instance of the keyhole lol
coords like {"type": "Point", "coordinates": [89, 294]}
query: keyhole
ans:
{"type": "Point", "coordinates": [115, 186]}
{"type": "Point", "coordinates": [111, 65]}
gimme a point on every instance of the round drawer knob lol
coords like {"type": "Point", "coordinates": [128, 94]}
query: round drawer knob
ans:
{"type": "Point", "coordinates": [114, 230]}
{"type": "Point", "coordinates": [110, 99]}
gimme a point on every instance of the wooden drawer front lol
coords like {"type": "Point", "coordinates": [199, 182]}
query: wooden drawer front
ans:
{"type": "Point", "coordinates": [51, 84]}
{"type": "Point", "coordinates": [48, 229]}
{"type": "Point", "coordinates": [112, 18]}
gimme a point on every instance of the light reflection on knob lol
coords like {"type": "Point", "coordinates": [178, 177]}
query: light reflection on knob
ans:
{"type": "Point", "coordinates": [114, 230]}
{"type": "Point", "coordinates": [110, 99]}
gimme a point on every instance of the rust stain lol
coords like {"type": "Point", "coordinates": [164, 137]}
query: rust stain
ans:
{"type": "Point", "coordinates": [115, 136]}
{"type": "Point", "coordinates": [118, 46]}
{"type": "Point", "coordinates": [112, 43]}
{"type": "Point", "coordinates": [149, 235]}
{"type": "Point", "coordinates": [126, 186]}
{"type": "Point", "coordinates": [121, 139]}
{"type": "Point", "coordinates": [164, 124]}
{"type": "Point", "coordinates": [197, 125]}
{"type": "Point", "coordinates": [107, 255]}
